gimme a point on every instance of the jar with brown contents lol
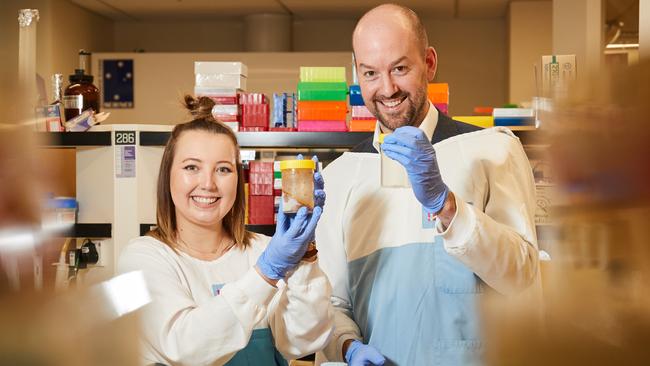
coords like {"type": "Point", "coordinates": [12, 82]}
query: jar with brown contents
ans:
{"type": "Point", "coordinates": [297, 184]}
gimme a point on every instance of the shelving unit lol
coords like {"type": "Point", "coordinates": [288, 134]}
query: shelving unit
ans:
{"type": "Point", "coordinates": [73, 139]}
{"type": "Point", "coordinates": [95, 231]}
{"type": "Point", "coordinates": [115, 208]}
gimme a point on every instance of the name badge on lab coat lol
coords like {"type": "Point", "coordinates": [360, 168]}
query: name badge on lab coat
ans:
{"type": "Point", "coordinates": [428, 219]}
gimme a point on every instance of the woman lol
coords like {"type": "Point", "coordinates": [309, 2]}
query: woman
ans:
{"type": "Point", "coordinates": [216, 297]}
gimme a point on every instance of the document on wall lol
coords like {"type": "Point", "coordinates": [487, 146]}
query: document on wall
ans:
{"type": "Point", "coordinates": [125, 161]}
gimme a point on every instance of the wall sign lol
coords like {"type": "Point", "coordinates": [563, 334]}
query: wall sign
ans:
{"type": "Point", "coordinates": [124, 154]}
{"type": "Point", "coordinates": [117, 84]}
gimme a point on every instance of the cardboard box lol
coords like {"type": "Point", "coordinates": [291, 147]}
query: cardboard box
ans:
{"type": "Point", "coordinates": [558, 71]}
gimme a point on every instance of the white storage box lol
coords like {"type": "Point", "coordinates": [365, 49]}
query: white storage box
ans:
{"type": "Point", "coordinates": [234, 68]}
{"type": "Point", "coordinates": [224, 81]}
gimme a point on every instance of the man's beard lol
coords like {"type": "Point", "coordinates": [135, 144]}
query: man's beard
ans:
{"type": "Point", "coordinates": [411, 116]}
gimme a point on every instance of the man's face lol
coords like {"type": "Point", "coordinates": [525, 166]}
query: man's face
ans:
{"type": "Point", "coordinates": [394, 71]}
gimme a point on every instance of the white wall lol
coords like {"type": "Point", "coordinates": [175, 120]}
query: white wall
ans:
{"type": "Point", "coordinates": [161, 79]}
{"type": "Point", "coordinates": [530, 35]}
{"type": "Point", "coordinates": [227, 35]}
{"type": "Point", "coordinates": [323, 34]}
{"type": "Point", "coordinates": [88, 30]}
{"type": "Point", "coordinates": [473, 53]}
{"type": "Point", "coordinates": [578, 29]}
{"type": "Point", "coordinates": [180, 36]}
{"type": "Point", "coordinates": [472, 59]}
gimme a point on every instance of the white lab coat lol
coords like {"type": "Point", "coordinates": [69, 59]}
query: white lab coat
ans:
{"type": "Point", "coordinates": [492, 233]}
{"type": "Point", "coordinates": [203, 312]}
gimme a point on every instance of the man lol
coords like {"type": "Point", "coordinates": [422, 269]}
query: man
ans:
{"type": "Point", "coordinates": [407, 264]}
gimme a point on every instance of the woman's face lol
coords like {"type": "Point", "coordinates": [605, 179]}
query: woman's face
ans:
{"type": "Point", "coordinates": [203, 178]}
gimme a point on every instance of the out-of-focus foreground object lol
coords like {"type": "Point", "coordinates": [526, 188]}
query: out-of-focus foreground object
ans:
{"type": "Point", "coordinates": [93, 326]}
{"type": "Point", "coordinates": [88, 326]}
{"type": "Point", "coordinates": [597, 285]}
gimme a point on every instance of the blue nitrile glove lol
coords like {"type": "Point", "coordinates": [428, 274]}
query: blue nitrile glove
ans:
{"type": "Point", "coordinates": [411, 148]}
{"type": "Point", "coordinates": [360, 354]}
{"type": "Point", "coordinates": [292, 235]}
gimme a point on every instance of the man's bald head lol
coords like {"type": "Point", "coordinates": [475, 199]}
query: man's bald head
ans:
{"type": "Point", "coordinates": [394, 65]}
{"type": "Point", "coordinates": [394, 15]}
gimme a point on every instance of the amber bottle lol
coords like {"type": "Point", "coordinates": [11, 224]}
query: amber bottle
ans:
{"type": "Point", "coordinates": [81, 94]}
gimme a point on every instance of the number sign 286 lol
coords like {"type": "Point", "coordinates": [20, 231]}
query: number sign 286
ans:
{"type": "Point", "coordinates": [124, 137]}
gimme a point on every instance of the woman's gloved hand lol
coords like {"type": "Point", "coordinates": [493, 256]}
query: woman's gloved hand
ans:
{"type": "Point", "coordinates": [411, 148]}
{"type": "Point", "coordinates": [293, 233]}
{"type": "Point", "coordinates": [359, 354]}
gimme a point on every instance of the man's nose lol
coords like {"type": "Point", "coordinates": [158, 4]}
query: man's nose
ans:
{"type": "Point", "coordinates": [388, 87]}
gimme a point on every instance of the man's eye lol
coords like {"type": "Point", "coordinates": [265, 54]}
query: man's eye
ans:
{"type": "Point", "coordinates": [400, 69]}
{"type": "Point", "coordinates": [369, 74]}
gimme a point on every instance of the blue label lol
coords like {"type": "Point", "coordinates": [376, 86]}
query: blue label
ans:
{"type": "Point", "coordinates": [216, 288]}
{"type": "Point", "coordinates": [428, 219]}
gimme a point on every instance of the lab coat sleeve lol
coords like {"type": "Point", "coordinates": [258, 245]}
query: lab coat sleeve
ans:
{"type": "Point", "coordinates": [333, 258]}
{"type": "Point", "coordinates": [302, 321]}
{"type": "Point", "coordinates": [183, 332]}
{"type": "Point", "coordinates": [499, 244]}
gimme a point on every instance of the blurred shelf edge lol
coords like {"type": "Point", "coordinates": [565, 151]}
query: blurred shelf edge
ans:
{"type": "Point", "coordinates": [73, 139]}
{"type": "Point", "coordinates": [277, 139]}
{"type": "Point", "coordinates": [260, 229]}
{"type": "Point", "coordinates": [90, 230]}
{"type": "Point", "coordinates": [528, 134]}
{"type": "Point", "coordinates": [521, 128]}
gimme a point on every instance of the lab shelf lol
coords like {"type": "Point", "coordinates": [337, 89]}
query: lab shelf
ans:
{"type": "Point", "coordinates": [522, 128]}
{"type": "Point", "coordinates": [268, 230]}
{"type": "Point", "coordinates": [144, 228]}
{"type": "Point", "coordinates": [73, 139]}
{"type": "Point", "coordinates": [528, 135]}
{"type": "Point", "coordinates": [92, 230]}
{"type": "Point", "coordinates": [276, 139]}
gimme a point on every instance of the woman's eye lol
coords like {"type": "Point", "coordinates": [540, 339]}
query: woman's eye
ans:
{"type": "Point", "coordinates": [191, 168]}
{"type": "Point", "coordinates": [224, 169]}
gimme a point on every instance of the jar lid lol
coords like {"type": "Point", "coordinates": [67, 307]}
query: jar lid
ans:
{"type": "Point", "coordinates": [62, 202]}
{"type": "Point", "coordinates": [297, 164]}
{"type": "Point", "coordinates": [381, 137]}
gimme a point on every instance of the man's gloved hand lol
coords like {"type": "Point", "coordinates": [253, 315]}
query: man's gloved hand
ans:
{"type": "Point", "coordinates": [359, 354]}
{"type": "Point", "coordinates": [293, 233]}
{"type": "Point", "coordinates": [411, 148]}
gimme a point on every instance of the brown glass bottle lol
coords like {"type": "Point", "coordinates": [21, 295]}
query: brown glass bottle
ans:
{"type": "Point", "coordinates": [80, 95]}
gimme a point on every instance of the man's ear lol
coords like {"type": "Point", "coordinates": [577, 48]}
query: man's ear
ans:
{"type": "Point", "coordinates": [431, 59]}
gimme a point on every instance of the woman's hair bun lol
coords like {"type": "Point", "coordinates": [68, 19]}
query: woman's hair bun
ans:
{"type": "Point", "coordinates": [199, 108]}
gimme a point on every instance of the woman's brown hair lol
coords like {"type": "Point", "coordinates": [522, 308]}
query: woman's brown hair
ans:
{"type": "Point", "coordinates": [166, 230]}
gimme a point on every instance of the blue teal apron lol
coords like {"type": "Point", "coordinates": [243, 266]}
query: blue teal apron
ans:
{"type": "Point", "coordinates": [417, 305]}
{"type": "Point", "coordinates": [260, 351]}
